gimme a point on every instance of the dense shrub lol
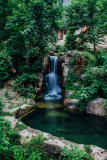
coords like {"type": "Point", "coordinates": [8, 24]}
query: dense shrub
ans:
{"type": "Point", "coordinates": [70, 79]}
{"type": "Point", "coordinates": [75, 154]}
{"type": "Point", "coordinates": [71, 40]}
{"type": "Point", "coordinates": [95, 86]}
{"type": "Point", "coordinates": [94, 83]}
{"type": "Point", "coordinates": [59, 49]}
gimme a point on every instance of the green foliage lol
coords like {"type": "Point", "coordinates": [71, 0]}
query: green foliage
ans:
{"type": "Point", "coordinates": [86, 13]}
{"type": "Point", "coordinates": [95, 86]}
{"type": "Point", "coordinates": [70, 79]}
{"type": "Point", "coordinates": [16, 48]}
{"type": "Point", "coordinates": [1, 106]}
{"type": "Point", "coordinates": [20, 126]}
{"type": "Point", "coordinates": [102, 58]}
{"type": "Point", "coordinates": [24, 84]}
{"type": "Point", "coordinates": [27, 78]}
{"type": "Point", "coordinates": [7, 95]}
{"type": "Point", "coordinates": [75, 154]}
{"type": "Point", "coordinates": [27, 32]}
{"type": "Point", "coordinates": [31, 67]}
{"type": "Point", "coordinates": [25, 91]}
{"type": "Point", "coordinates": [71, 39]}
{"type": "Point", "coordinates": [88, 57]}
{"type": "Point", "coordinates": [59, 49]}
{"type": "Point", "coordinates": [4, 68]}
{"type": "Point", "coordinates": [87, 149]}
{"type": "Point", "coordinates": [8, 138]}
{"type": "Point", "coordinates": [5, 11]}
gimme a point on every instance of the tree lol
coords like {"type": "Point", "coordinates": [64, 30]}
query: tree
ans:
{"type": "Point", "coordinates": [89, 13]}
{"type": "Point", "coordinates": [5, 11]}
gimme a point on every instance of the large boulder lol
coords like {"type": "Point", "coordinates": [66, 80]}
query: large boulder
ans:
{"type": "Point", "coordinates": [68, 102]}
{"type": "Point", "coordinates": [97, 107]}
{"type": "Point", "coordinates": [71, 106]}
{"type": "Point", "coordinates": [22, 110]}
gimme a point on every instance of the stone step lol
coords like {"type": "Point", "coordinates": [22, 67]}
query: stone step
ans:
{"type": "Point", "coordinates": [68, 102]}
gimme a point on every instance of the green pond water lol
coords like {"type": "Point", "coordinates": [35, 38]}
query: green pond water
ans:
{"type": "Point", "coordinates": [83, 129]}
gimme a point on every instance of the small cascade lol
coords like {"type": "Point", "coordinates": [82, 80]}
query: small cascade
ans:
{"type": "Point", "coordinates": [53, 90]}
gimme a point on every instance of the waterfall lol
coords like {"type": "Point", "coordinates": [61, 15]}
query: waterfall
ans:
{"type": "Point", "coordinates": [53, 90]}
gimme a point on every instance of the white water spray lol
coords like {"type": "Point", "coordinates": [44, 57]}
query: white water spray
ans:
{"type": "Point", "coordinates": [53, 90]}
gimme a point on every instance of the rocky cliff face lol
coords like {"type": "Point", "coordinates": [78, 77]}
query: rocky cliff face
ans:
{"type": "Point", "coordinates": [65, 62]}
{"type": "Point", "coordinates": [39, 87]}
{"type": "Point", "coordinates": [76, 60]}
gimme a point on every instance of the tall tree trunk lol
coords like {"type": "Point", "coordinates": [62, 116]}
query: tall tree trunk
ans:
{"type": "Point", "coordinates": [94, 48]}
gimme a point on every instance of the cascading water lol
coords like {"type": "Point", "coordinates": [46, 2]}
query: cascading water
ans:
{"type": "Point", "coordinates": [53, 90]}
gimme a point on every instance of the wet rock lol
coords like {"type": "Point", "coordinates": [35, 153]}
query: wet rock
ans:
{"type": "Point", "coordinates": [31, 101]}
{"type": "Point", "coordinates": [78, 69]}
{"type": "Point", "coordinates": [45, 64]}
{"type": "Point", "coordinates": [19, 111]}
{"type": "Point", "coordinates": [68, 94]}
{"type": "Point", "coordinates": [52, 53]}
{"type": "Point", "coordinates": [54, 146]}
{"type": "Point", "coordinates": [61, 54]}
{"type": "Point", "coordinates": [67, 59]}
{"type": "Point", "coordinates": [97, 107]}
{"type": "Point", "coordinates": [25, 108]}
{"type": "Point", "coordinates": [69, 102]}
{"type": "Point", "coordinates": [71, 106]}
{"type": "Point", "coordinates": [65, 70]}
{"type": "Point", "coordinates": [61, 58]}
{"type": "Point", "coordinates": [98, 153]}
{"type": "Point", "coordinates": [9, 83]}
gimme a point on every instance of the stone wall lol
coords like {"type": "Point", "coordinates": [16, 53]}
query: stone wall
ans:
{"type": "Point", "coordinates": [54, 145]}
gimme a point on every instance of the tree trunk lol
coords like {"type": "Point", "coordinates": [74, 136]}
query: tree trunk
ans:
{"type": "Point", "coordinates": [94, 48]}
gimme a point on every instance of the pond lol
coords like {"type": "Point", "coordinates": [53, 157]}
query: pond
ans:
{"type": "Point", "coordinates": [83, 129]}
